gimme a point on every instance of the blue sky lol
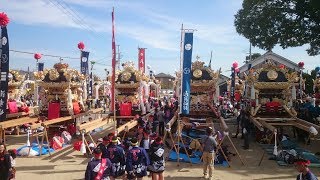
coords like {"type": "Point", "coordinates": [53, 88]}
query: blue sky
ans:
{"type": "Point", "coordinates": [44, 26]}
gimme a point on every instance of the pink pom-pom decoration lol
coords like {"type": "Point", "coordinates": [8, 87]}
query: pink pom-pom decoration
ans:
{"type": "Point", "coordinates": [301, 64]}
{"type": "Point", "coordinates": [281, 66]}
{"type": "Point", "coordinates": [4, 20]}
{"type": "Point", "coordinates": [81, 46]}
{"type": "Point", "coordinates": [237, 70]}
{"type": "Point", "coordinates": [37, 56]}
{"type": "Point", "coordinates": [235, 64]}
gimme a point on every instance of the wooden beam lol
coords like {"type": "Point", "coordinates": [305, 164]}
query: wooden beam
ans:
{"type": "Point", "coordinates": [57, 120]}
{"type": "Point", "coordinates": [95, 111]}
{"type": "Point", "coordinates": [223, 124]}
{"type": "Point", "coordinates": [89, 126]}
{"type": "Point", "coordinates": [267, 125]}
{"type": "Point", "coordinates": [306, 123]}
{"type": "Point", "coordinates": [257, 123]}
{"type": "Point", "coordinates": [17, 122]}
{"type": "Point", "coordinates": [282, 124]}
{"type": "Point", "coordinates": [127, 126]}
{"type": "Point", "coordinates": [92, 125]}
{"type": "Point", "coordinates": [125, 117]}
{"type": "Point", "coordinates": [16, 115]}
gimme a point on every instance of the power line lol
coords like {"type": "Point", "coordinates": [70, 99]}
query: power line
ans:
{"type": "Point", "coordinates": [74, 17]}
{"type": "Point", "coordinates": [48, 55]}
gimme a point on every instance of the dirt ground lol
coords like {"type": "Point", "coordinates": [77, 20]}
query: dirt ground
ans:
{"type": "Point", "coordinates": [68, 164]}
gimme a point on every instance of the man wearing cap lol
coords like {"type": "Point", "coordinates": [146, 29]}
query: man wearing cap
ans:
{"type": "Point", "coordinates": [209, 145]}
{"type": "Point", "coordinates": [103, 146]}
{"type": "Point", "coordinates": [137, 161]}
{"type": "Point", "coordinates": [116, 155]}
{"type": "Point", "coordinates": [302, 167]}
{"type": "Point", "coordinates": [98, 168]}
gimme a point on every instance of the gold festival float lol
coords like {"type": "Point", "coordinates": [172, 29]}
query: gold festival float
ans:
{"type": "Point", "coordinates": [203, 89]}
{"type": "Point", "coordinates": [272, 92]}
{"type": "Point", "coordinates": [62, 86]}
{"type": "Point", "coordinates": [132, 91]}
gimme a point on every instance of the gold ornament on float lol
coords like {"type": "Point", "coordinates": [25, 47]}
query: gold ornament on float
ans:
{"type": "Point", "coordinates": [125, 76]}
{"type": "Point", "coordinates": [272, 75]}
{"type": "Point", "coordinates": [197, 73]}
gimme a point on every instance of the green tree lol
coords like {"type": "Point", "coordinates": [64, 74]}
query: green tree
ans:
{"type": "Point", "coordinates": [309, 81]}
{"type": "Point", "coordinates": [253, 56]}
{"type": "Point", "coordinates": [289, 23]}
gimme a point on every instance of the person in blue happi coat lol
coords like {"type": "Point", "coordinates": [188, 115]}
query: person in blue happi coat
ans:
{"type": "Point", "coordinates": [98, 168]}
{"type": "Point", "coordinates": [137, 161]}
{"type": "Point", "coordinates": [116, 155]}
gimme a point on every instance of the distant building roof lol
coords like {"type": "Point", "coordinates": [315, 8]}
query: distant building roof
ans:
{"type": "Point", "coordinates": [270, 55]}
{"type": "Point", "coordinates": [163, 75]}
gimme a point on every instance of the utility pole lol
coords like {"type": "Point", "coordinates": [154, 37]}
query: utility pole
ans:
{"type": "Point", "coordinates": [210, 59]}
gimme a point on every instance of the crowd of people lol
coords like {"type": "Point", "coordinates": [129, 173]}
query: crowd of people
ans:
{"type": "Point", "coordinates": [128, 159]}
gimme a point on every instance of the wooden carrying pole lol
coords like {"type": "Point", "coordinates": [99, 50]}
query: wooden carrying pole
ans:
{"type": "Point", "coordinates": [14, 123]}
{"type": "Point", "coordinates": [51, 122]}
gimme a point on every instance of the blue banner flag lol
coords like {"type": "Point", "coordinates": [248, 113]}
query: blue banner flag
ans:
{"type": "Point", "coordinates": [84, 62]}
{"type": "Point", "coordinates": [4, 64]}
{"type": "Point", "coordinates": [40, 66]}
{"type": "Point", "coordinates": [186, 72]}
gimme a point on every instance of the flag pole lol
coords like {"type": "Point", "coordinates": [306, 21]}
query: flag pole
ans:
{"type": "Point", "coordinates": [113, 104]}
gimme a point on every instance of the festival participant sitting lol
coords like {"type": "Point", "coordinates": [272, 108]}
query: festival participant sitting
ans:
{"type": "Point", "coordinates": [157, 163]}
{"type": "Point", "coordinates": [98, 168]}
{"type": "Point", "coordinates": [116, 155]}
{"type": "Point", "coordinates": [137, 161]}
{"type": "Point", "coordinates": [302, 167]}
{"type": "Point", "coordinates": [103, 146]}
{"type": "Point", "coordinates": [209, 145]}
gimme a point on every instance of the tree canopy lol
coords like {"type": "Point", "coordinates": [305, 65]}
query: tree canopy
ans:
{"type": "Point", "coordinates": [253, 56]}
{"type": "Point", "coordinates": [289, 23]}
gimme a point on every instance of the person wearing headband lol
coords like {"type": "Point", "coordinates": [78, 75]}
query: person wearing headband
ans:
{"type": "Point", "coordinates": [157, 163]}
{"type": "Point", "coordinates": [137, 161]}
{"type": "Point", "coordinates": [302, 167]}
{"type": "Point", "coordinates": [98, 168]}
{"type": "Point", "coordinates": [103, 146]}
{"type": "Point", "coordinates": [116, 155]}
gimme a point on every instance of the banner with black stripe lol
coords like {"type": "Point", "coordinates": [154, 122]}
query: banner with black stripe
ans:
{"type": "Point", "coordinates": [84, 62]}
{"type": "Point", "coordinates": [4, 52]}
{"type": "Point", "coordinates": [40, 66]}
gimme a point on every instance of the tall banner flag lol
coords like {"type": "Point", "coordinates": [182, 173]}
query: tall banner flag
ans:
{"type": "Point", "coordinates": [90, 88]}
{"type": "Point", "coordinates": [142, 60]}
{"type": "Point", "coordinates": [40, 66]}
{"type": "Point", "coordinates": [84, 64]}
{"type": "Point", "coordinates": [4, 52]}
{"type": "Point", "coordinates": [186, 72]}
{"type": "Point", "coordinates": [113, 65]}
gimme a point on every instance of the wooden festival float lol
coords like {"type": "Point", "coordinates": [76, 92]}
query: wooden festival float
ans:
{"type": "Point", "coordinates": [18, 112]}
{"type": "Point", "coordinates": [132, 93]}
{"type": "Point", "coordinates": [272, 91]}
{"type": "Point", "coordinates": [61, 103]}
{"type": "Point", "coordinates": [203, 111]}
